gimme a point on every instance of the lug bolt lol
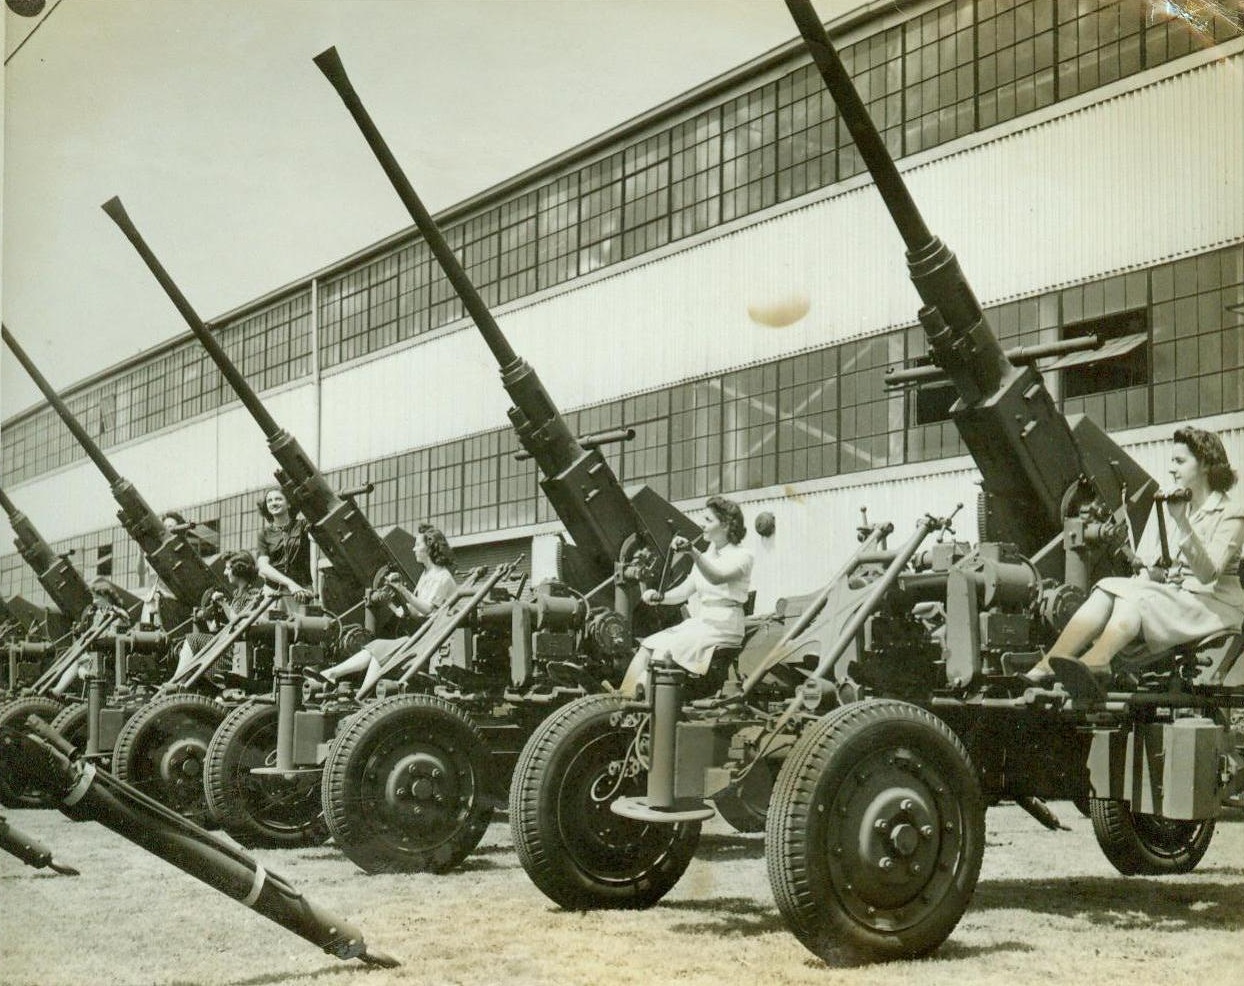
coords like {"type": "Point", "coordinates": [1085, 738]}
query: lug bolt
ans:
{"type": "Point", "coordinates": [906, 805]}
{"type": "Point", "coordinates": [926, 831]}
{"type": "Point", "coordinates": [886, 863]}
{"type": "Point", "coordinates": [881, 825]}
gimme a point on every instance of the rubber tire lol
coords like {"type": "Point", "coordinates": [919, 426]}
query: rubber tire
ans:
{"type": "Point", "coordinates": [136, 755]}
{"type": "Point", "coordinates": [73, 723]}
{"type": "Point", "coordinates": [580, 854]}
{"type": "Point", "coordinates": [14, 713]}
{"type": "Point", "coordinates": [747, 809]}
{"type": "Point", "coordinates": [1145, 845]}
{"type": "Point", "coordinates": [854, 765]}
{"type": "Point", "coordinates": [420, 731]}
{"type": "Point", "coordinates": [243, 802]}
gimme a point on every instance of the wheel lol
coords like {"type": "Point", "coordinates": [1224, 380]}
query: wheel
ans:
{"type": "Point", "coordinates": [747, 806]}
{"type": "Point", "coordinates": [259, 810]}
{"type": "Point", "coordinates": [73, 723]}
{"type": "Point", "coordinates": [1145, 845]}
{"type": "Point", "coordinates": [875, 833]}
{"type": "Point", "coordinates": [408, 786]}
{"type": "Point", "coordinates": [24, 792]}
{"type": "Point", "coordinates": [577, 851]}
{"type": "Point", "coordinates": [162, 748]}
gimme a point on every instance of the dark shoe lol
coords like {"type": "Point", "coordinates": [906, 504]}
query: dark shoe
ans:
{"type": "Point", "coordinates": [1082, 682]}
{"type": "Point", "coordinates": [311, 674]}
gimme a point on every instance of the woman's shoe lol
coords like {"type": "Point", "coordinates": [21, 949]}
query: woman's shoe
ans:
{"type": "Point", "coordinates": [311, 674]}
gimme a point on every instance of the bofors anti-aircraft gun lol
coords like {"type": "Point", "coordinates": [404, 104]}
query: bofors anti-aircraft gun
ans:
{"type": "Point", "coordinates": [65, 587]}
{"type": "Point", "coordinates": [411, 779]}
{"type": "Point", "coordinates": [261, 774]}
{"type": "Point", "coordinates": [875, 774]}
{"type": "Point", "coordinates": [156, 736]}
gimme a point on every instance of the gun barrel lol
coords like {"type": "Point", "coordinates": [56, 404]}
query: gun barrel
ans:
{"type": "Point", "coordinates": [329, 63]}
{"type": "Point", "coordinates": [116, 212]}
{"type": "Point", "coordinates": [29, 851]}
{"type": "Point", "coordinates": [80, 433]}
{"type": "Point", "coordinates": [94, 795]}
{"type": "Point", "coordinates": [60, 580]}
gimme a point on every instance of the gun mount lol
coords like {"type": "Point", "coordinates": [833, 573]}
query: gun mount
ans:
{"type": "Point", "coordinates": [868, 738]}
{"type": "Point", "coordinates": [614, 533]}
{"type": "Point", "coordinates": [339, 526]}
{"type": "Point", "coordinates": [60, 580]}
{"type": "Point", "coordinates": [174, 560]}
{"type": "Point", "coordinates": [84, 793]}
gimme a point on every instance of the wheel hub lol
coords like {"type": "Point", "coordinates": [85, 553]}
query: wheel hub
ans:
{"type": "Point", "coordinates": [893, 840]}
{"type": "Point", "coordinates": [420, 782]}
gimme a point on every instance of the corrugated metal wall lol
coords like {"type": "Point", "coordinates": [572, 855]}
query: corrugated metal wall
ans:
{"type": "Point", "coordinates": [1125, 183]}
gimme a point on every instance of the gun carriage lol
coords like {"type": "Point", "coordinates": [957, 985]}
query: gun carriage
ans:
{"type": "Point", "coordinates": [875, 762]}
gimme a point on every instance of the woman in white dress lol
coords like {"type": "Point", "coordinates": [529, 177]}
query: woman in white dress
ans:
{"type": "Point", "coordinates": [1200, 595]}
{"type": "Point", "coordinates": [435, 587]}
{"type": "Point", "coordinates": [717, 588]}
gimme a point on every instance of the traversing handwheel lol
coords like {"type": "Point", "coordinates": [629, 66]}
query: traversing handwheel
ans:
{"type": "Point", "coordinates": [260, 810]}
{"type": "Point", "coordinates": [408, 786]}
{"type": "Point", "coordinates": [875, 833]}
{"type": "Point", "coordinates": [574, 848]}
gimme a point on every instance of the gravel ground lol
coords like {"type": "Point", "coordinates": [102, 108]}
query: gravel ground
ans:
{"type": "Point", "coordinates": [1048, 906]}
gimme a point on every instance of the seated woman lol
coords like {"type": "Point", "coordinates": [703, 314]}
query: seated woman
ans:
{"type": "Point", "coordinates": [1199, 596]}
{"type": "Point", "coordinates": [283, 548]}
{"type": "Point", "coordinates": [105, 602]}
{"type": "Point", "coordinates": [243, 576]}
{"type": "Point", "coordinates": [720, 580]}
{"type": "Point", "coordinates": [435, 587]}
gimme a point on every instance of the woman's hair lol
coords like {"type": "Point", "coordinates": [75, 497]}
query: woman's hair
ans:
{"type": "Point", "coordinates": [728, 513]}
{"type": "Point", "coordinates": [439, 551]}
{"type": "Point", "coordinates": [265, 513]}
{"type": "Point", "coordinates": [1209, 451]}
{"type": "Point", "coordinates": [242, 564]}
{"type": "Point", "coordinates": [106, 589]}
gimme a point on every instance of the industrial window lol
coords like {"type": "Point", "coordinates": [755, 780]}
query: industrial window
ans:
{"type": "Point", "coordinates": [1109, 384]}
{"type": "Point", "coordinates": [695, 174]}
{"type": "Point", "coordinates": [806, 134]}
{"type": "Point", "coordinates": [646, 192]}
{"type": "Point", "coordinates": [875, 65]}
{"type": "Point", "coordinates": [940, 83]}
{"type": "Point", "coordinates": [103, 560]}
{"type": "Point", "coordinates": [807, 419]}
{"type": "Point", "coordinates": [1097, 44]}
{"type": "Point", "coordinates": [1015, 41]}
{"type": "Point", "coordinates": [749, 152]}
{"type": "Point", "coordinates": [870, 415]}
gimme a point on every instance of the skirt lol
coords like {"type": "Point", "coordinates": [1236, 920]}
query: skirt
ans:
{"type": "Point", "coordinates": [690, 644]}
{"type": "Point", "coordinates": [1170, 615]}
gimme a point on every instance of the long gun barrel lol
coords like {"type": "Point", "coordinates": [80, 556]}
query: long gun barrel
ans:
{"type": "Point", "coordinates": [30, 851]}
{"type": "Point", "coordinates": [578, 481]}
{"type": "Point", "coordinates": [1029, 456]}
{"type": "Point", "coordinates": [339, 527]}
{"type": "Point", "coordinates": [87, 794]}
{"type": "Point", "coordinates": [60, 580]}
{"type": "Point", "coordinates": [170, 555]}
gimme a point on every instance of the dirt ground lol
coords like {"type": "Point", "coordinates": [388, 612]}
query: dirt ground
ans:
{"type": "Point", "coordinates": [1048, 907]}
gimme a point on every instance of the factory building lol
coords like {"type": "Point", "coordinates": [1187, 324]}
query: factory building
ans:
{"type": "Point", "coordinates": [720, 276]}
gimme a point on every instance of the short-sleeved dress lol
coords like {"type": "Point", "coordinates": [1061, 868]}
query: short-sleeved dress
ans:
{"type": "Point", "coordinates": [718, 619]}
{"type": "Point", "coordinates": [435, 586]}
{"type": "Point", "coordinates": [1202, 594]}
{"type": "Point", "coordinates": [288, 549]}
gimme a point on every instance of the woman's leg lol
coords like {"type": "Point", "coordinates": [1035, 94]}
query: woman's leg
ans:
{"type": "Point", "coordinates": [351, 665]}
{"type": "Point", "coordinates": [636, 672]}
{"type": "Point", "coordinates": [1086, 625]}
{"type": "Point", "coordinates": [1122, 628]}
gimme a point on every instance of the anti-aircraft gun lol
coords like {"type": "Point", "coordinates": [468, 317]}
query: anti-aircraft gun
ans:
{"type": "Point", "coordinates": [157, 743]}
{"type": "Point", "coordinates": [82, 792]}
{"type": "Point", "coordinates": [512, 660]}
{"type": "Point", "coordinates": [359, 556]}
{"type": "Point", "coordinates": [64, 586]}
{"type": "Point", "coordinates": [873, 776]}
